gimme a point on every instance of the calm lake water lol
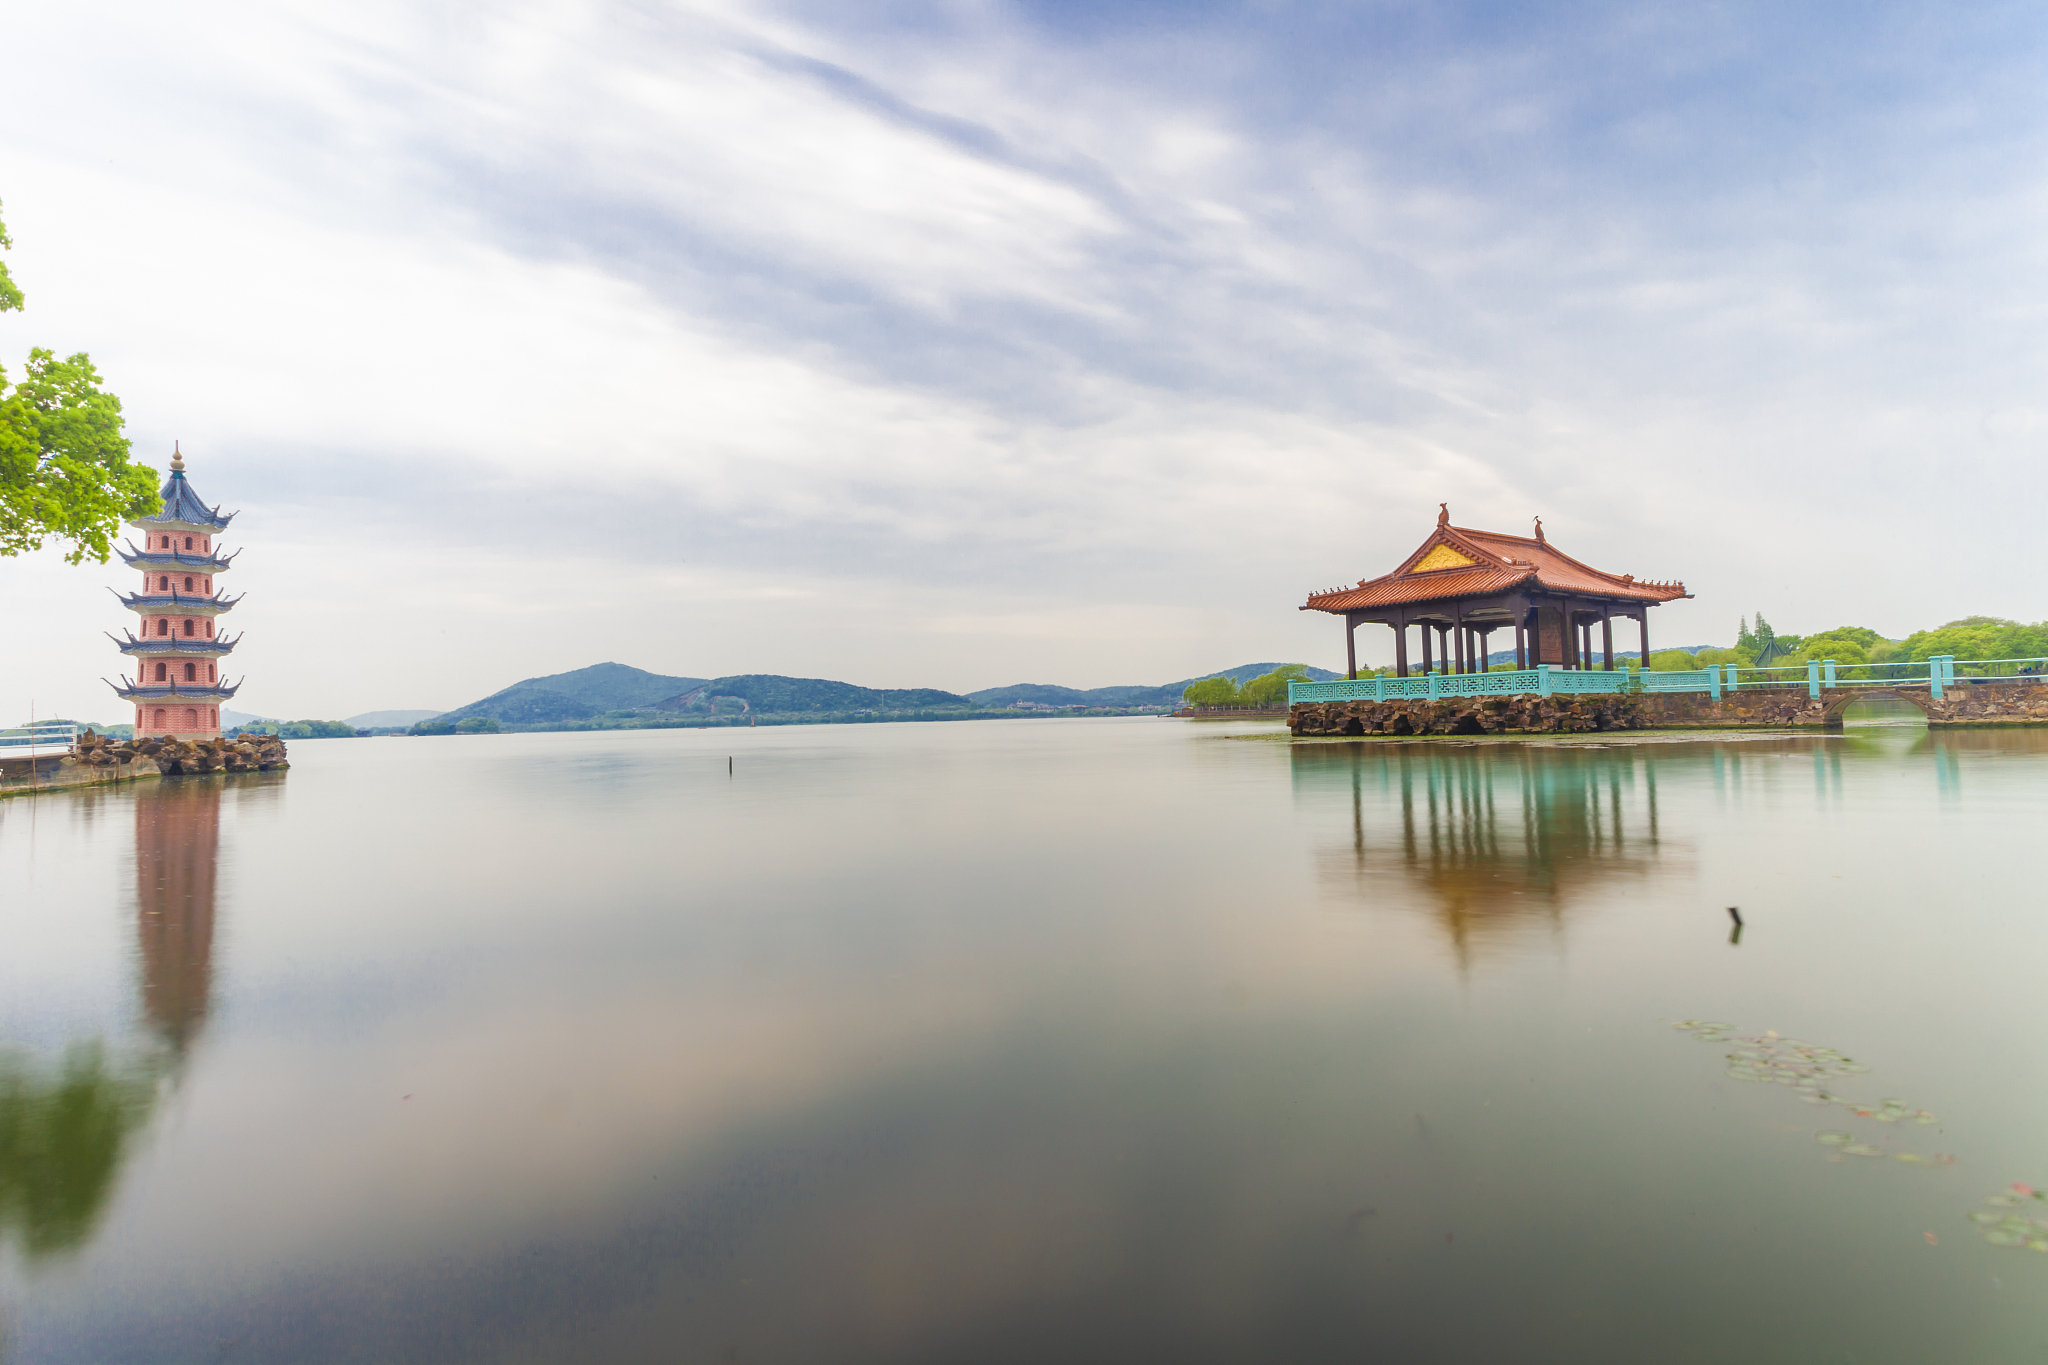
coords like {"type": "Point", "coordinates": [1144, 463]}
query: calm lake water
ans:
{"type": "Point", "coordinates": [1028, 1041]}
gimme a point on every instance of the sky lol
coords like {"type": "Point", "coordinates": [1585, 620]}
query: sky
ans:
{"type": "Point", "coordinates": [959, 345]}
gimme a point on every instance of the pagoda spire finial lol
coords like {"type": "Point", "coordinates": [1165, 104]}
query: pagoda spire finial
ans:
{"type": "Point", "coordinates": [177, 459]}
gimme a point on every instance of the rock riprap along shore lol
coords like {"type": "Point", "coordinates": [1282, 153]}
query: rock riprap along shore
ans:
{"type": "Point", "coordinates": [1966, 703]}
{"type": "Point", "coordinates": [173, 757]}
{"type": "Point", "coordinates": [95, 760]}
{"type": "Point", "coordinates": [1467, 716]}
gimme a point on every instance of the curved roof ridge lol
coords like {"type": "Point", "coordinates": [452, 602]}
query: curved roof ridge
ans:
{"type": "Point", "coordinates": [181, 505]}
{"type": "Point", "coordinates": [1493, 570]}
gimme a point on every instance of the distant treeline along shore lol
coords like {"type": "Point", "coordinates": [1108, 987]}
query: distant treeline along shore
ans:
{"type": "Point", "coordinates": [612, 696]}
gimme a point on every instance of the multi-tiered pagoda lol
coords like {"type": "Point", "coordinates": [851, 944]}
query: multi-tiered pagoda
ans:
{"type": "Point", "coordinates": [178, 689]}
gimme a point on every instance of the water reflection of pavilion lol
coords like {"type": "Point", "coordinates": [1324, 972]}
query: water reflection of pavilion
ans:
{"type": "Point", "coordinates": [1500, 837]}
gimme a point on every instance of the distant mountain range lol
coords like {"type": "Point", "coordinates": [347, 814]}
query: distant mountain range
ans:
{"type": "Point", "coordinates": [588, 693]}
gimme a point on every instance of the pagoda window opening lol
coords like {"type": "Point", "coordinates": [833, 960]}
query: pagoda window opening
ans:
{"type": "Point", "coordinates": [188, 542]}
{"type": "Point", "coordinates": [191, 673]}
{"type": "Point", "coordinates": [188, 625]}
{"type": "Point", "coordinates": [159, 718]}
{"type": "Point", "coordinates": [188, 582]}
{"type": "Point", "coordinates": [191, 718]}
{"type": "Point", "coordinates": [163, 583]}
{"type": "Point", "coordinates": [163, 627]}
{"type": "Point", "coordinates": [209, 673]}
{"type": "Point", "coordinates": [160, 675]}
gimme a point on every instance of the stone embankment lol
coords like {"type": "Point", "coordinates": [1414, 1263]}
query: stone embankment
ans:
{"type": "Point", "coordinates": [96, 760]}
{"type": "Point", "coordinates": [1525, 714]}
{"type": "Point", "coordinates": [248, 754]}
{"type": "Point", "coordinates": [2018, 701]}
{"type": "Point", "coordinates": [2014, 701]}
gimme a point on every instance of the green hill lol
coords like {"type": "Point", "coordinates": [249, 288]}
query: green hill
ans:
{"type": "Point", "coordinates": [578, 695]}
{"type": "Point", "coordinates": [772, 693]}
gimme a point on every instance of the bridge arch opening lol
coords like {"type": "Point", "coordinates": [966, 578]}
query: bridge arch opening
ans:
{"type": "Point", "coordinates": [1884, 711]}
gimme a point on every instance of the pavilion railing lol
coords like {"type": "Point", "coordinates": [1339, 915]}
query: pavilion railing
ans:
{"type": "Point", "coordinates": [1543, 680]}
{"type": "Point", "coordinates": [1935, 674]}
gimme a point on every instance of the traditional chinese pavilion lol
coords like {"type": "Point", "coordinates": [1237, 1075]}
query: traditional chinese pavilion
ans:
{"type": "Point", "coordinates": [1462, 585]}
{"type": "Point", "coordinates": [177, 688]}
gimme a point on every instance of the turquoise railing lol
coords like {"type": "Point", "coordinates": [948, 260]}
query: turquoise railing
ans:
{"type": "Point", "coordinates": [1543, 680]}
{"type": "Point", "coordinates": [1936, 674]}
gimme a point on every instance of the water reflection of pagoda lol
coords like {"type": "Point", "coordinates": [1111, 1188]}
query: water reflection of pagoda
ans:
{"type": "Point", "coordinates": [1500, 838]}
{"type": "Point", "coordinates": [177, 849]}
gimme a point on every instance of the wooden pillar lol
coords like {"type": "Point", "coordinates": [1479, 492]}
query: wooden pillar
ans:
{"type": "Point", "coordinates": [1607, 637]}
{"type": "Point", "coordinates": [1643, 626]}
{"type": "Point", "coordinates": [1464, 657]}
{"type": "Point", "coordinates": [1400, 625]}
{"type": "Point", "coordinates": [1424, 633]}
{"type": "Point", "coordinates": [1351, 647]}
{"type": "Point", "coordinates": [1522, 650]}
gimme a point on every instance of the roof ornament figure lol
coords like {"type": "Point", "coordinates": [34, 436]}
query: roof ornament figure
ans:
{"type": "Point", "coordinates": [1443, 514]}
{"type": "Point", "coordinates": [1539, 532]}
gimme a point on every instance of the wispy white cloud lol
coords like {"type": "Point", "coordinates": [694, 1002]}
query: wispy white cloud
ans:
{"type": "Point", "coordinates": [1011, 314]}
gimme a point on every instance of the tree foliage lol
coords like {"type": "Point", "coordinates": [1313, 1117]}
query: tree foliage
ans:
{"type": "Point", "coordinates": [1217, 691]}
{"type": "Point", "coordinates": [64, 466]}
{"type": "Point", "coordinates": [1268, 689]}
{"type": "Point", "coordinates": [467, 725]}
{"type": "Point", "coordinates": [10, 295]}
{"type": "Point", "coordinates": [1978, 637]}
{"type": "Point", "coordinates": [1969, 637]}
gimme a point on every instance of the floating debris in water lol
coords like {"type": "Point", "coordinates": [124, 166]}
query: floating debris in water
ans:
{"type": "Point", "coordinates": [2013, 1218]}
{"type": "Point", "coordinates": [2016, 1216]}
{"type": "Point", "coordinates": [1803, 1066]}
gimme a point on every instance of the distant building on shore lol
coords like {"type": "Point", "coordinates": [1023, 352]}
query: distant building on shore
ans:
{"type": "Point", "coordinates": [178, 688]}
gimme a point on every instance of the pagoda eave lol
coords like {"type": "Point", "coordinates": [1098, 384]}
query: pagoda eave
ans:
{"type": "Point", "coordinates": [177, 647]}
{"type": "Point", "coordinates": [174, 561]}
{"type": "Point", "coordinates": [172, 692]}
{"type": "Point", "coordinates": [174, 604]}
{"type": "Point", "coordinates": [196, 527]}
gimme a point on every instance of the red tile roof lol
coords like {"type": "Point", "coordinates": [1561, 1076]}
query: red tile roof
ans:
{"type": "Point", "coordinates": [1498, 563]}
